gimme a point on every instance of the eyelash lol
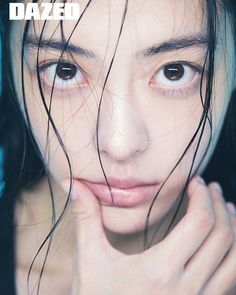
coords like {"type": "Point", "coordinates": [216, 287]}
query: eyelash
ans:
{"type": "Point", "coordinates": [188, 89]}
{"type": "Point", "coordinates": [164, 91]}
{"type": "Point", "coordinates": [44, 67]}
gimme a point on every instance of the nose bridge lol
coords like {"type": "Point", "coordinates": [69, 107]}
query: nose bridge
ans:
{"type": "Point", "coordinates": [121, 130]}
{"type": "Point", "coordinates": [119, 80]}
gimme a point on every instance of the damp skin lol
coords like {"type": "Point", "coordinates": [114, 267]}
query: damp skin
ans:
{"type": "Point", "coordinates": [150, 108]}
{"type": "Point", "coordinates": [146, 120]}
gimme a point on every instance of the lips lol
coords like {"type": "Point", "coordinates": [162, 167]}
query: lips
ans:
{"type": "Point", "coordinates": [124, 193]}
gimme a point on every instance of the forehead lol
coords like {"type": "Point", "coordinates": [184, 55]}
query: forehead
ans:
{"type": "Point", "coordinates": [145, 21]}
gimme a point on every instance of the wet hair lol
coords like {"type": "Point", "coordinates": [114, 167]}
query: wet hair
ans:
{"type": "Point", "coordinates": [24, 165]}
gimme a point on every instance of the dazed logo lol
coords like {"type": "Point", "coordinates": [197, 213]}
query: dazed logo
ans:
{"type": "Point", "coordinates": [44, 11]}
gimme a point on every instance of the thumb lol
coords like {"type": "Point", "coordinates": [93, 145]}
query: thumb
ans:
{"type": "Point", "coordinates": [86, 213]}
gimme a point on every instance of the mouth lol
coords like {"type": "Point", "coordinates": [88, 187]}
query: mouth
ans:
{"type": "Point", "coordinates": [122, 193]}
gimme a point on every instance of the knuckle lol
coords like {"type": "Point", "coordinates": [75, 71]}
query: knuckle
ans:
{"type": "Point", "coordinates": [165, 280]}
{"type": "Point", "coordinates": [161, 277]}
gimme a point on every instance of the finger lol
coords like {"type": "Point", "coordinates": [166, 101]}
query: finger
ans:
{"type": "Point", "coordinates": [87, 217]}
{"type": "Point", "coordinates": [191, 231]}
{"type": "Point", "coordinates": [231, 208]}
{"type": "Point", "coordinates": [223, 280]}
{"type": "Point", "coordinates": [214, 248]}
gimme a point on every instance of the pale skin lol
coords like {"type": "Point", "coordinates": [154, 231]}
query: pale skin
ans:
{"type": "Point", "coordinates": [101, 246]}
{"type": "Point", "coordinates": [196, 247]}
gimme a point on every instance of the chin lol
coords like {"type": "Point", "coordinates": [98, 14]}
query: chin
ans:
{"type": "Point", "coordinates": [124, 220]}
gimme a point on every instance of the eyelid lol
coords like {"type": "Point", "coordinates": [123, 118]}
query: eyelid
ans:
{"type": "Point", "coordinates": [193, 65]}
{"type": "Point", "coordinates": [180, 90]}
{"type": "Point", "coordinates": [44, 65]}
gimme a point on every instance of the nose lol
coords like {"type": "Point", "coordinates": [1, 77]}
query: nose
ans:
{"type": "Point", "coordinates": [121, 132]}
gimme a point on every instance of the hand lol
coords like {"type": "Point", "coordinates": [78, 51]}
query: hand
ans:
{"type": "Point", "coordinates": [223, 280]}
{"type": "Point", "coordinates": [197, 257]}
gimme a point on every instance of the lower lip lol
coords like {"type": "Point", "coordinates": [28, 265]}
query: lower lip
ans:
{"type": "Point", "coordinates": [129, 197]}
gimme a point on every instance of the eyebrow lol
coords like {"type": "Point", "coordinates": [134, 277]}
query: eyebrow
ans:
{"type": "Point", "coordinates": [196, 40]}
{"type": "Point", "coordinates": [57, 45]}
{"type": "Point", "coordinates": [173, 44]}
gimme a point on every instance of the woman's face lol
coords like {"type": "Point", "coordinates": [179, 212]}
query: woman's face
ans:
{"type": "Point", "coordinates": [150, 107]}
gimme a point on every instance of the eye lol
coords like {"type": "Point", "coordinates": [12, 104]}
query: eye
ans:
{"type": "Point", "coordinates": [62, 75]}
{"type": "Point", "coordinates": [174, 72]}
{"type": "Point", "coordinates": [174, 75]}
{"type": "Point", "coordinates": [66, 71]}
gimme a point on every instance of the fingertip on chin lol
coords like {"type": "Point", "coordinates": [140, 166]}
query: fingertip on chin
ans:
{"type": "Point", "coordinates": [72, 188]}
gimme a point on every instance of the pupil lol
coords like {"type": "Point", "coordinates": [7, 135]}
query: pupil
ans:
{"type": "Point", "coordinates": [66, 71]}
{"type": "Point", "coordinates": [174, 72]}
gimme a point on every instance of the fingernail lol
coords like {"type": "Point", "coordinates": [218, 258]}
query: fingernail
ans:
{"type": "Point", "coordinates": [74, 194]}
{"type": "Point", "coordinates": [200, 179]}
{"type": "Point", "coordinates": [231, 208]}
{"type": "Point", "coordinates": [217, 187]}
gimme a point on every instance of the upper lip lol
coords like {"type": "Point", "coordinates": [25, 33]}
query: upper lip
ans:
{"type": "Point", "coordinates": [122, 183]}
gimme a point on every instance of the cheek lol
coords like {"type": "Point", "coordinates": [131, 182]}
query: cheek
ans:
{"type": "Point", "coordinates": [172, 124]}
{"type": "Point", "coordinates": [75, 126]}
{"type": "Point", "coordinates": [49, 146]}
